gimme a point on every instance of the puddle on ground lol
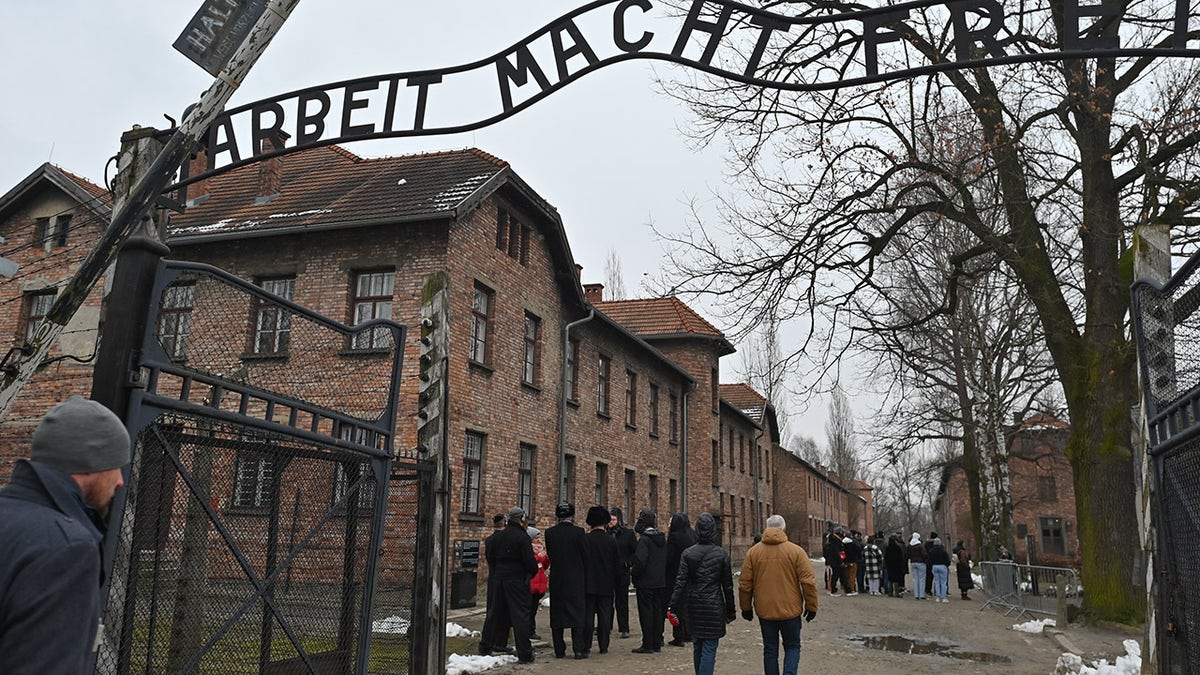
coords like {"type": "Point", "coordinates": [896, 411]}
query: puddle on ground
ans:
{"type": "Point", "coordinates": [904, 645]}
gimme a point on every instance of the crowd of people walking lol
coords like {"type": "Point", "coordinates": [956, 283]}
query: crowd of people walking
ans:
{"type": "Point", "coordinates": [682, 577]}
{"type": "Point", "coordinates": [855, 563]}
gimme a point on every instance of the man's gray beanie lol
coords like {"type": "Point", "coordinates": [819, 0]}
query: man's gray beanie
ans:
{"type": "Point", "coordinates": [81, 436]}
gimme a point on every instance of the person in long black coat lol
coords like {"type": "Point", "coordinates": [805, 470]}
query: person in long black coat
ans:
{"type": "Point", "coordinates": [897, 566]}
{"type": "Point", "coordinates": [680, 537]}
{"type": "Point", "coordinates": [626, 545]}
{"type": "Point", "coordinates": [649, 573]}
{"type": "Point", "coordinates": [510, 557]}
{"type": "Point", "coordinates": [568, 583]}
{"type": "Point", "coordinates": [489, 641]}
{"type": "Point", "coordinates": [962, 566]}
{"type": "Point", "coordinates": [602, 563]}
{"type": "Point", "coordinates": [703, 590]}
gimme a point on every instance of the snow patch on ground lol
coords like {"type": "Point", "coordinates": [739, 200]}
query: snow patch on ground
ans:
{"type": "Point", "coordinates": [458, 664]}
{"type": "Point", "coordinates": [1129, 664]}
{"type": "Point", "coordinates": [455, 630]}
{"type": "Point", "coordinates": [1034, 626]}
{"type": "Point", "coordinates": [395, 625]}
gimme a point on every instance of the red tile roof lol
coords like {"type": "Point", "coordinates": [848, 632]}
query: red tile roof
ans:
{"type": "Point", "coordinates": [100, 193]}
{"type": "Point", "coordinates": [660, 317]}
{"type": "Point", "coordinates": [743, 397]}
{"type": "Point", "coordinates": [331, 186]}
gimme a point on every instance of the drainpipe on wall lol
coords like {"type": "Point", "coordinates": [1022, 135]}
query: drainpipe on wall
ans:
{"type": "Point", "coordinates": [562, 405]}
{"type": "Point", "coordinates": [756, 461]}
{"type": "Point", "coordinates": [683, 451]}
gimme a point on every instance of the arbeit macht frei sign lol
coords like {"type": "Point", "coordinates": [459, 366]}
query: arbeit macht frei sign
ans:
{"type": "Point", "coordinates": [822, 50]}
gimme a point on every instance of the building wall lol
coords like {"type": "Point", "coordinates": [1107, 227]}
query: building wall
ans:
{"type": "Point", "coordinates": [43, 267]}
{"type": "Point", "coordinates": [736, 482]}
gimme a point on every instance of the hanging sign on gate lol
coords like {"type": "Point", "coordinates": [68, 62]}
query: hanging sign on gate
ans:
{"type": "Point", "coordinates": [217, 30]}
{"type": "Point", "coordinates": [812, 51]}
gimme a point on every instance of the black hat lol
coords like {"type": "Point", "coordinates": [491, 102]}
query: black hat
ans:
{"type": "Point", "coordinates": [597, 516]}
{"type": "Point", "coordinates": [498, 518]}
{"type": "Point", "coordinates": [564, 510]}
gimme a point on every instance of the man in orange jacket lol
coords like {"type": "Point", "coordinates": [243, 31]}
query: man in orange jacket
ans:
{"type": "Point", "coordinates": [778, 584]}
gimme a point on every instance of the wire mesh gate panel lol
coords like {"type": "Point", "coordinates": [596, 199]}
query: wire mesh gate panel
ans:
{"type": "Point", "coordinates": [252, 531]}
{"type": "Point", "coordinates": [1167, 329]}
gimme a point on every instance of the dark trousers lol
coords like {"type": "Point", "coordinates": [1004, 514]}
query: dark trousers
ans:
{"type": "Point", "coordinates": [599, 609]}
{"type": "Point", "coordinates": [772, 632]}
{"type": "Point", "coordinates": [488, 638]}
{"type": "Point", "coordinates": [838, 573]}
{"type": "Point", "coordinates": [621, 602]}
{"type": "Point", "coordinates": [580, 641]}
{"type": "Point", "coordinates": [511, 605]}
{"type": "Point", "coordinates": [533, 609]}
{"type": "Point", "coordinates": [651, 611]}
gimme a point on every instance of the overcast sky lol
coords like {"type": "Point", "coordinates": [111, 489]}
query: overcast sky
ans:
{"type": "Point", "coordinates": [606, 150]}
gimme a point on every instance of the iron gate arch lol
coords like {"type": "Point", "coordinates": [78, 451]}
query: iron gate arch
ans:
{"type": "Point", "coordinates": [264, 465]}
{"type": "Point", "coordinates": [1166, 325]}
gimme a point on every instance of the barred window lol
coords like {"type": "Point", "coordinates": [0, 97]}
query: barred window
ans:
{"type": "Point", "coordinates": [37, 307]}
{"type": "Point", "coordinates": [373, 300]}
{"type": "Point", "coordinates": [525, 478]}
{"type": "Point", "coordinates": [603, 385]}
{"type": "Point", "coordinates": [175, 319]}
{"type": "Point", "coordinates": [273, 323]}
{"type": "Point", "coordinates": [481, 319]}
{"type": "Point", "coordinates": [254, 480]}
{"type": "Point", "coordinates": [345, 476]}
{"type": "Point", "coordinates": [473, 450]}
{"type": "Point", "coordinates": [533, 349]}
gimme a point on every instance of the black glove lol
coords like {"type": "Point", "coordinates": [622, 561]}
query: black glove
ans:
{"type": "Point", "coordinates": [809, 616]}
{"type": "Point", "coordinates": [748, 614]}
{"type": "Point", "coordinates": [730, 617]}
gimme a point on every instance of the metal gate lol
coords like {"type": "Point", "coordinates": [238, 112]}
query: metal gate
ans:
{"type": "Point", "coordinates": [252, 531]}
{"type": "Point", "coordinates": [1167, 329]}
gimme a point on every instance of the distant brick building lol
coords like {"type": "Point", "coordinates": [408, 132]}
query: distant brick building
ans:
{"type": "Point", "coordinates": [1043, 495]}
{"type": "Point", "coordinates": [636, 382]}
{"type": "Point", "coordinates": [809, 496]}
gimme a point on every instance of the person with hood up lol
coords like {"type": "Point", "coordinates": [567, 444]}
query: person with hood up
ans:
{"type": "Point", "coordinates": [962, 568]}
{"type": "Point", "coordinates": [568, 583]}
{"type": "Point", "coordinates": [939, 560]}
{"type": "Point", "coordinates": [918, 558]}
{"type": "Point", "coordinates": [777, 583]}
{"type": "Point", "coordinates": [626, 545]}
{"type": "Point", "coordinates": [896, 560]}
{"type": "Point", "coordinates": [53, 516]}
{"type": "Point", "coordinates": [602, 562]}
{"type": "Point", "coordinates": [510, 557]}
{"type": "Point", "coordinates": [540, 583]}
{"type": "Point", "coordinates": [649, 573]}
{"type": "Point", "coordinates": [680, 536]}
{"type": "Point", "coordinates": [703, 591]}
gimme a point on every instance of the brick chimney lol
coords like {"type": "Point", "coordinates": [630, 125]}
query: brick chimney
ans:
{"type": "Point", "coordinates": [202, 189]}
{"type": "Point", "coordinates": [270, 173]}
{"type": "Point", "coordinates": [593, 293]}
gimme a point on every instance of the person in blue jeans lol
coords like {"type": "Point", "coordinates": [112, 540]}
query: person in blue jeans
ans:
{"type": "Point", "coordinates": [702, 591]}
{"type": "Point", "coordinates": [778, 584]}
{"type": "Point", "coordinates": [918, 556]}
{"type": "Point", "coordinates": [939, 558]}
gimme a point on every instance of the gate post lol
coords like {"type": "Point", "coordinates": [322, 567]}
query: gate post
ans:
{"type": "Point", "coordinates": [122, 324]}
{"type": "Point", "coordinates": [428, 625]}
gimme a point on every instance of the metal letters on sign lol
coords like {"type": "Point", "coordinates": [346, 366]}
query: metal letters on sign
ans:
{"type": "Point", "coordinates": [823, 51]}
{"type": "Point", "coordinates": [217, 30]}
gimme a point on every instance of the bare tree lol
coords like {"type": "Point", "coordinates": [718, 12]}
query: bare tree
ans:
{"type": "Point", "coordinates": [763, 368]}
{"type": "Point", "coordinates": [1082, 152]}
{"type": "Point", "coordinates": [839, 433]}
{"type": "Point", "coordinates": [805, 448]}
{"type": "Point", "coordinates": [614, 279]}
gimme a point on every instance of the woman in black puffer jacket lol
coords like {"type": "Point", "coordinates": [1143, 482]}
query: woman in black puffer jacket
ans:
{"type": "Point", "coordinates": [704, 585]}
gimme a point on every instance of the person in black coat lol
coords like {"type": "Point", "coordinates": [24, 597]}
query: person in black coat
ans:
{"type": "Point", "coordinates": [602, 563]}
{"type": "Point", "coordinates": [680, 536]}
{"type": "Point", "coordinates": [703, 589]}
{"type": "Point", "coordinates": [852, 557]}
{"type": "Point", "coordinates": [568, 583]}
{"type": "Point", "coordinates": [489, 641]}
{"type": "Point", "coordinates": [510, 559]}
{"type": "Point", "coordinates": [53, 515]}
{"type": "Point", "coordinates": [626, 544]}
{"type": "Point", "coordinates": [962, 566]}
{"type": "Point", "coordinates": [895, 560]}
{"type": "Point", "coordinates": [649, 573]}
{"type": "Point", "coordinates": [833, 550]}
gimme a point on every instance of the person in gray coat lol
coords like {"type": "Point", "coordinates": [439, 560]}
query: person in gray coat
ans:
{"type": "Point", "coordinates": [703, 588]}
{"type": "Point", "coordinates": [53, 516]}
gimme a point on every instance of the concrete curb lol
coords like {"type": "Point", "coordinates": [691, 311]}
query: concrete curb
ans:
{"type": "Point", "coordinates": [1060, 638]}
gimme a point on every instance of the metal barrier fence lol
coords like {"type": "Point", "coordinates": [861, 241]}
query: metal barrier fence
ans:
{"type": "Point", "coordinates": [1028, 589]}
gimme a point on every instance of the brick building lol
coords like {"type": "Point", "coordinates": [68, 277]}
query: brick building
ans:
{"type": "Point", "coordinates": [619, 399]}
{"type": "Point", "coordinates": [809, 496]}
{"type": "Point", "coordinates": [1043, 495]}
{"type": "Point", "coordinates": [50, 221]}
